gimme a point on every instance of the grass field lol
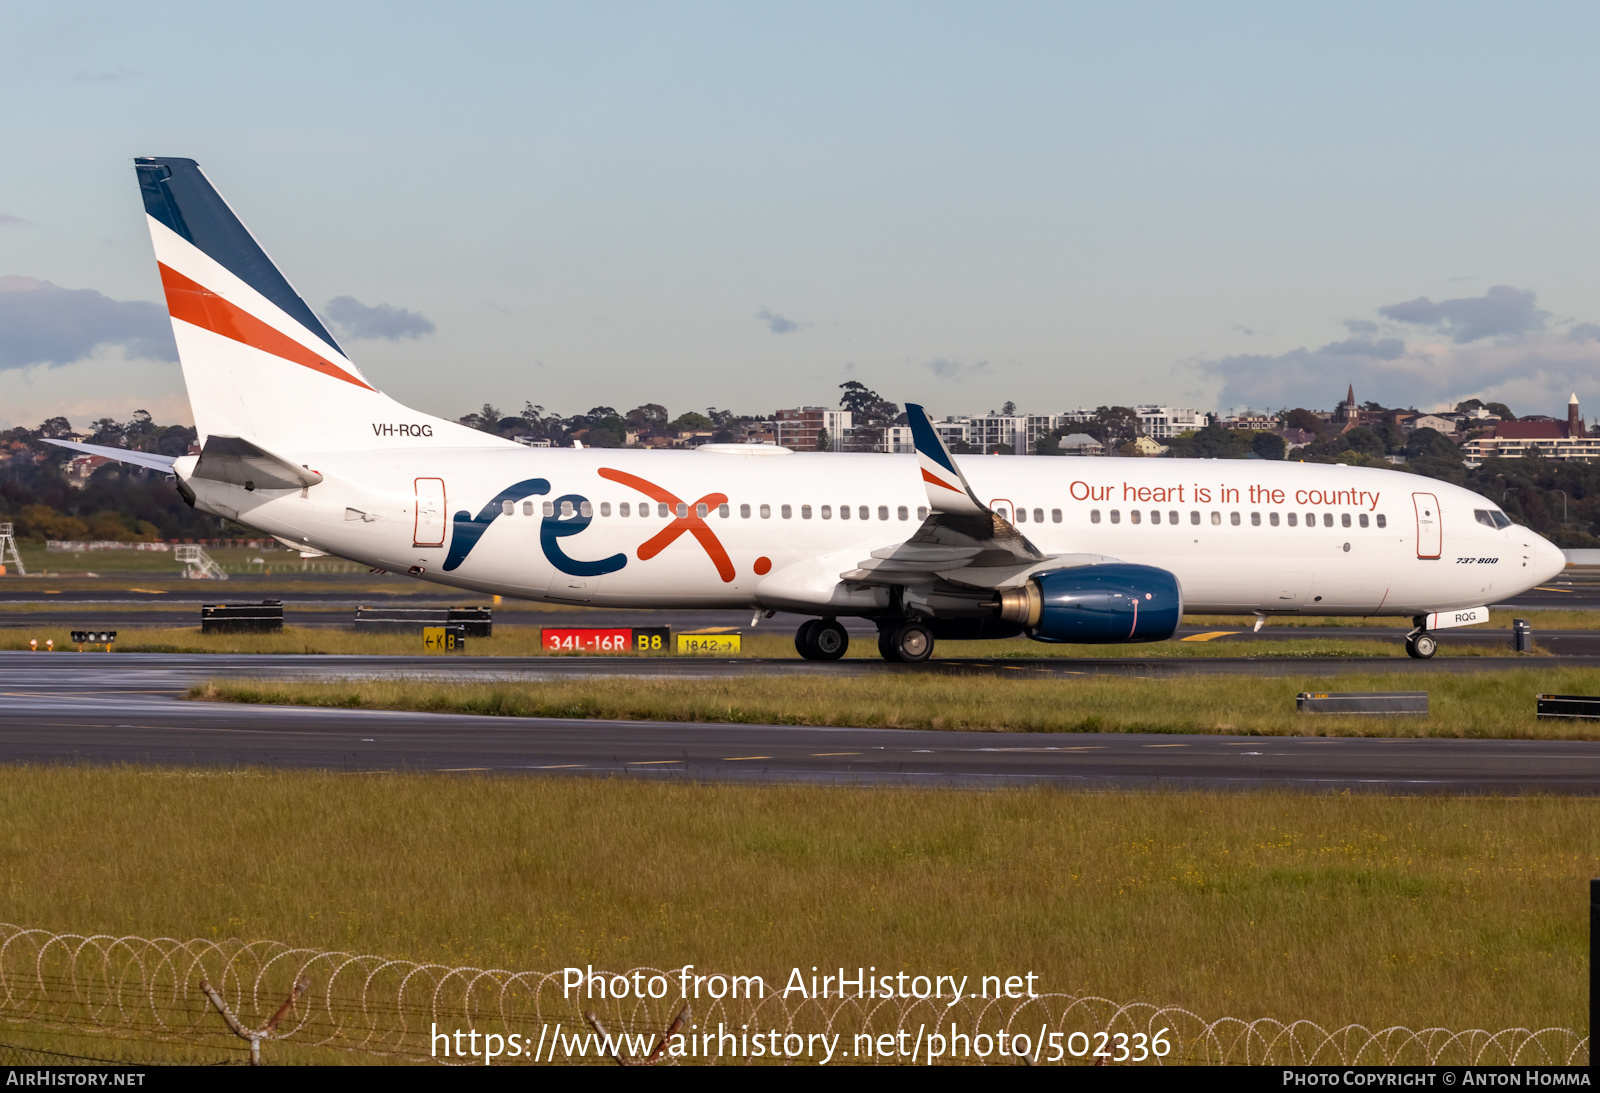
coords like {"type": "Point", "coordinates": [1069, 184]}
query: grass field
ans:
{"type": "Point", "coordinates": [1498, 705]}
{"type": "Point", "coordinates": [1415, 911]}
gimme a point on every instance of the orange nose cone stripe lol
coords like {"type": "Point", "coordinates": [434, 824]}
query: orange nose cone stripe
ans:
{"type": "Point", "coordinates": [194, 303]}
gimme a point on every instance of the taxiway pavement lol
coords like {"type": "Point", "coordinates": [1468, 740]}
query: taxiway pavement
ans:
{"type": "Point", "coordinates": [127, 708]}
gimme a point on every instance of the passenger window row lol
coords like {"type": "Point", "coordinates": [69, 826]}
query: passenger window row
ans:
{"type": "Point", "coordinates": [681, 510]}
{"type": "Point", "coordinates": [1135, 516]}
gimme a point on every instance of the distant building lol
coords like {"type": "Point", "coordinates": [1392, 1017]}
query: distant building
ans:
{"type": "Point", "coordinates": [1168, 422]}
{"type": "Point", "coordinates": [1261, 423]}
{"type": "Point", "coordinates": [797, 428]}
{"type": "Point", "coordinates": [1348, 414]}
{"type": "Point", "coordinates": [80, 467]}
{"type": "Point", "coordinates": [1552, 439]}
{"type": "Point", "coordinates": [1295, 439]}
{"type": "Point", "coordinates": [897, 438]}
{"type": "Point", "coordinates": [1145, 445]}
{"type": "Point", "coordinates": [1432, 421]}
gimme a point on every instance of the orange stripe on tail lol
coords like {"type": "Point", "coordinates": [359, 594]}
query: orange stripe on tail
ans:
{"type": "Point", "coordinates": [194, 303]}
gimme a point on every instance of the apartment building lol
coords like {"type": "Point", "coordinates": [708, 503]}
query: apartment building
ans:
{"type": "Point", "coordinates": [797, 428]}
{"type": "Point", "coordinates": [1167, 422]}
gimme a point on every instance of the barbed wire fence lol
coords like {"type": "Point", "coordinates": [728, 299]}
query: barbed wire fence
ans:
{"type": "Point", "coordinates": [199, 1000]}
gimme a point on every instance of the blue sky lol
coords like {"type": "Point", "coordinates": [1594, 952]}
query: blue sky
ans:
{"type": "Point", "coordinates": [744, 205]}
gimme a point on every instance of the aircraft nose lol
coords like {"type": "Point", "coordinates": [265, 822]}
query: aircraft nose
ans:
{"type": "Point", "coordinates": [1545, 558]}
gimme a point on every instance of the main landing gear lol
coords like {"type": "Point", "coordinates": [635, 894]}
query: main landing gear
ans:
{"type": "Point", "coordinates": [1421, 645]}
{"type": "Point", "coordinates": [901, 641]}
{"type": "Point", "coordinates": [821, 639]}
{"type": "Point", "coordinates": [906, 642]}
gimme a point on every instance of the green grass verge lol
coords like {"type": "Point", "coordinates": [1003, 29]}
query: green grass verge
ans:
{"type": "Point", "coordinates": [1448, 912]}
{"type": "Point", "coordinates": [1497, 705]}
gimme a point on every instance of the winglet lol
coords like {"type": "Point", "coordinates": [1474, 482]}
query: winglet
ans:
{"type": "Point", "coordinates": [946, 485]}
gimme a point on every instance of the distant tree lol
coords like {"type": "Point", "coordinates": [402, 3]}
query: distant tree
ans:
{"type": "Point", "coordinates": [1429, 443]}
{"type": "Point", "coordinates": [1009, 408]}
{"type": "Point", "coordinates": [1390, 435]}
{"type": "Point", "coordinates": [174, 440]}
{"type": "Point", "coordinates": [1301, 418]}
{"type": "Point", "coordinates": [692, 422]}
{"type": "Point", "coordinates": [870, 414]}
{"type": "Point", "coordinates": [608, 433]}
{"type": "Point", "coordinates": [652, 415]}
{"type": "Point", "coordinates": [1364, 440]}
{"type": "Point", "coordinates": [1500, 410]}
{"type": "Point", "coordinates": [1213, 442]}
{"type": "Point", "coordinates": [56, 428]}
{"type": "Point", "coordinates": [107, 431]}
{"type": "Point", "coordinates": [1114, 425]}
{"type": "Point", "coordinates": [487, 419]}
{"type": "Point", "coordinates": [999, 449]}
{"type": "Point", "coordinates": [824, 442]}
{"type": "Point", "coordinates": [1268, 445]}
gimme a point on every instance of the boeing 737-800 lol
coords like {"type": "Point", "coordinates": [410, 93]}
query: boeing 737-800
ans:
{"type": "Point", "coordinates": [296, 442]}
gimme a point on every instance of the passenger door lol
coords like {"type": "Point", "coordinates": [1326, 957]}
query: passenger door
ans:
{"type": "Point", "coordinates": [1430, 538]}
{"type": "Point", "coordinates": [430, 523]}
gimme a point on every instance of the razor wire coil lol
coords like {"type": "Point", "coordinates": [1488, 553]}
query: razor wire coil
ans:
{"type": "Point", "coordinates": [148, 989]}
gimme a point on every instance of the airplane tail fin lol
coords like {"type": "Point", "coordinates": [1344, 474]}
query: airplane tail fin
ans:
{"type": "Point", "coordinates": [258, 362]}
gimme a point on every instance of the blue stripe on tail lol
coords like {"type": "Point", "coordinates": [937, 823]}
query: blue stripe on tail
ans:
{"type": "Point", "coordinates": [179, 195]}
{"type": "Point", "coordinates": [927, 441]}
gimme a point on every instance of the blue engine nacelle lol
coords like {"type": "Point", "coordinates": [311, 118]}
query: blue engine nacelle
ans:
{"type": "Point", "coordinates": [1097, 604]}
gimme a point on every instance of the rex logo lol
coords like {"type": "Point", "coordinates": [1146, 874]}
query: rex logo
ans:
{"type": "Point", "coordinates": [566, 519]}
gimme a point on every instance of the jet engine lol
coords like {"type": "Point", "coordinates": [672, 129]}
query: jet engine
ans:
{"type": "Point", "coordinates": [1097, 604]}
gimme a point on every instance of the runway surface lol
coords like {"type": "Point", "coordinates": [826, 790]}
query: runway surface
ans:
{"type": "Point", "coordinates": [116, 708]}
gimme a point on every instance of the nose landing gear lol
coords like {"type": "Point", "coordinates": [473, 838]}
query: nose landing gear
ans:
{"type": "Point", "coordinates": [1421, 645]}
{"type": "Point", "coordinates": [821, 639]}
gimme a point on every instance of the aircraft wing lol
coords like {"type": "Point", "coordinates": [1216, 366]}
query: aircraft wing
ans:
{"type": "Point", "coordinates": [963, 541]}
{"type": "Point", "coordinates": [121, 455]}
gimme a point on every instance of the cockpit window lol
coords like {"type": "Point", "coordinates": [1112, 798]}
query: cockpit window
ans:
{"type": "Point", "coordinates": [1493, 518]}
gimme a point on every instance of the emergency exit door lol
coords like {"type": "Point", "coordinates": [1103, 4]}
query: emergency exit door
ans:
{"type": "Point", "coordinates": [430, 523]}
{"type": "Point", "coordinates": [1429, 535]}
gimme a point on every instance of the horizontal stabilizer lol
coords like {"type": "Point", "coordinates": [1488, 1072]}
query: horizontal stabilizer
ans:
{"type": "Point", "coordinates": [121, 455]}
{"type": "Point", "coordinates": [238, 462]}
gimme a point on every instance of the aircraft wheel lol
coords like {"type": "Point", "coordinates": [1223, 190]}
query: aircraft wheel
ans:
{"type": "Point", "coordinates": [829, 640]}
{"type": "Point", "coordinates": [1421, 646]}
{"type": "Point", "coordinates": [802, 638]}
{"type": "Point", "coordinates": [908, 643]}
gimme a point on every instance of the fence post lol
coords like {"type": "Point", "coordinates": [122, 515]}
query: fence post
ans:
{"type": "Point", "coordinates": [661, 1045]}
{"type": "Point", "coordinates": [255, 1036]}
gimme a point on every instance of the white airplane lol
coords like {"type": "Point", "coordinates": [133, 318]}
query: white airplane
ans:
{"type": "Point", "coordinates": [296, 442]}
